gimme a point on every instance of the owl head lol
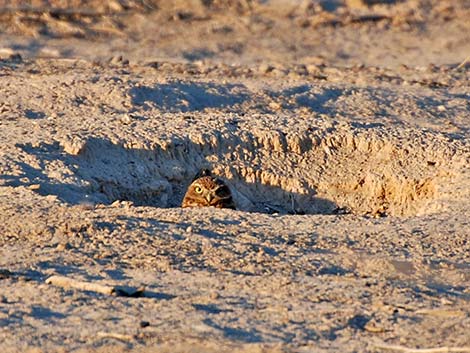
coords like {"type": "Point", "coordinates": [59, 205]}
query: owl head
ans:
{"type": "Point", "coordinates": [206, 190]}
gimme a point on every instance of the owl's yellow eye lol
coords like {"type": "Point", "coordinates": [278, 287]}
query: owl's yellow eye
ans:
{"type": "Point", "coordinates": [198, 189]}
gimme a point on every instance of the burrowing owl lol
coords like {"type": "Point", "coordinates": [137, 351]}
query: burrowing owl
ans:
{"type": "Point", "coordinates": [206, 190]}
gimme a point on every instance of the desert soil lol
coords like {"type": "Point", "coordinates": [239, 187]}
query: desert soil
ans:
{"type": "Point", "coordinates": [342, 128]}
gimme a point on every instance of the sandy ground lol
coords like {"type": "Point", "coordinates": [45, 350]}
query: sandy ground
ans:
{"type": "Point", "coordinates": [342, 128]}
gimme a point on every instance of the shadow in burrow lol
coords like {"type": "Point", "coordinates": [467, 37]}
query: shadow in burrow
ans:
{"type": "Point", "coordinates": [104, 172]}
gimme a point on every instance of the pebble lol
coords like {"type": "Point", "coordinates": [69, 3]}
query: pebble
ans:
{"type": "Point", "coordinates": [118, 60]}
{"type": "Point", "coordinates": [6, 52]}
{"type": "Point", "coordinates": [144, 324]}
{"type": "Point", "coordinates": [63, 246]}
{"type": "Point", "coordinates": [275, 106]}
{"type": "Point", "coordinates": [126, 119]}
{"type": "Point", "coordinates": [265, 68]}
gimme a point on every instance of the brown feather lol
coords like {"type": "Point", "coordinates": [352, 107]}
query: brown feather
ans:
{"type": "Point", "coordinates": [208, 191]}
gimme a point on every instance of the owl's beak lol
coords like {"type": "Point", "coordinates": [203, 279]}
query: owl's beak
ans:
{"type": "Point", "coordinates": [209, 197]}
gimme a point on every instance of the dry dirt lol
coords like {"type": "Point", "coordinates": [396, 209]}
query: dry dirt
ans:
{"type": "Point", "coordinates": [342, 128]}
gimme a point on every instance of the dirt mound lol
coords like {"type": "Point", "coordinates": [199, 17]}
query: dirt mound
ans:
{"type": "Point", "coordinates": [286, 155]}
{"type": "Point", "coordinates": [319, 171]}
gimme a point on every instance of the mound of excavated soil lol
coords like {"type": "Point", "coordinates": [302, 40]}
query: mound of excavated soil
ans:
{"type": "Point", "coordinates": [351, 181]}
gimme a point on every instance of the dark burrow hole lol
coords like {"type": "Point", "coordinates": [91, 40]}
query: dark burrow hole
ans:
{"type": "Point", "coordinates": [282, 176]}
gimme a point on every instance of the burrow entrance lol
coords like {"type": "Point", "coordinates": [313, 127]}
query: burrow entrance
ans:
{"type": "Point", "coordinates": [312, 172]}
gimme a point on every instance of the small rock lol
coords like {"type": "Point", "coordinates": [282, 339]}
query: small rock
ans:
{"type": "Point", "coordinates": [144, 324]}
{"type": "Point", "coordinates": [446, 301]}
{"type": "Point", "coordinates": [114, 6]}
{"type": "Point", "coordinates": [6, 53]}
{"type": "Point", "coordinates": [313, 69]}
{"type": "Point", "coordinates": [10, 55]}
{"type": "Point", "coordinates": [73, 145]}
{"type": "Point", "coordinates": [116, 203]}
{"type": "Point", "coordinates": [374, 327]}
{"type": "Point", "coordinates": [118, 60]}
{"type": "Point", "coordinates": [52, 198]}
{"type": "Point", "coordinates": [127, 204]}
{"type": "Point", "coordinates": [182, 16]}
{"type": "Point", "coordinates": [275, 106]}
{"type": "Point", "coordinates": [441, 108]}
{"type": "Point", "coordinates": [63, 246]}
{"type": "Point", "coordinates": [126, 119]}
{"type": "Point", "coordinates": [265, 68]}
{"type": "Point", "coordinates": [302, 70]}
{"type": "Point", "coordinates": [280, 72]}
